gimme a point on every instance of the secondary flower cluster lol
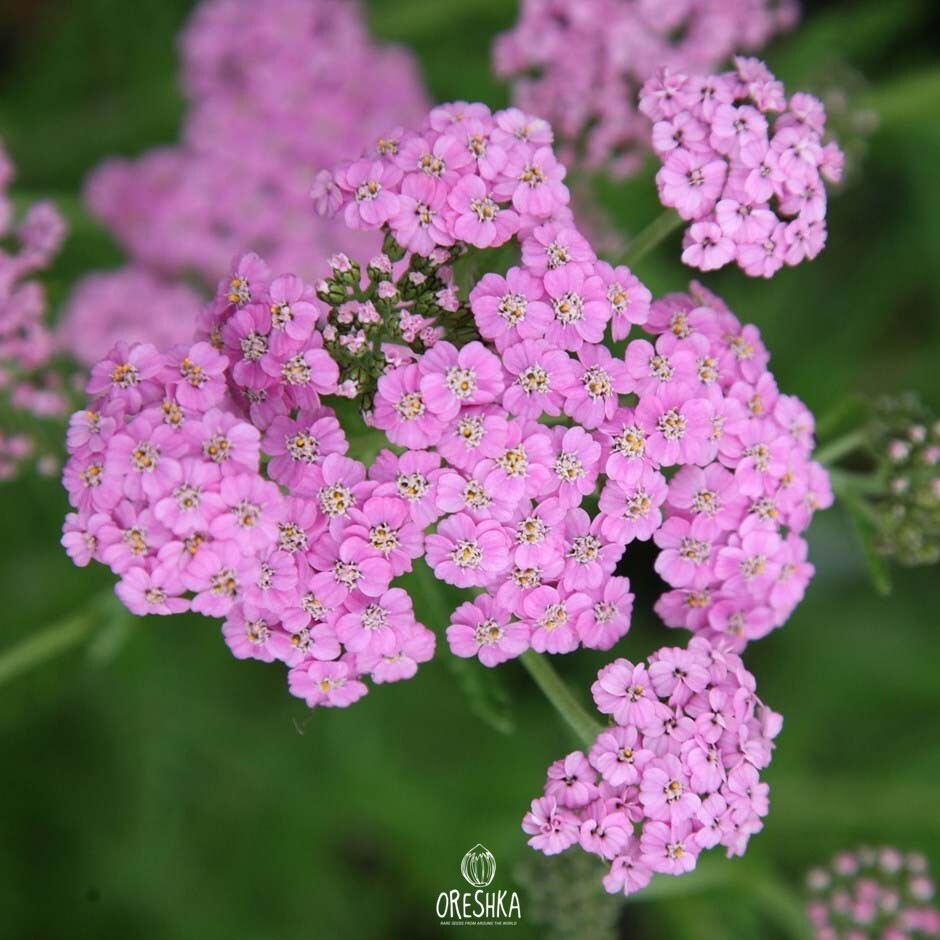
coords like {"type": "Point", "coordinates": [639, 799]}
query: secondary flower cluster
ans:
{"type": "Point", "coordinates": [30, 390]}
{"type": "Point", "coordinates": [751, 184]}
{"type": "Point", "coordinates": [873, 894]}
{"type": "Point", "coordinates": [679, 772]}
{"type": "Point", "coordinates": [731, 544]}
{"type": "Point", "coordinates": [580, 63]}
{"type": "Point", "coordinates": [274, 92]}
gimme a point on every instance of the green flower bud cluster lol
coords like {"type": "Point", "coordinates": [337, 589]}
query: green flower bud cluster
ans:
{"type": "Point", "coordinates": [906, 438]}
{"type": "Point", "coordinates": [409, 303]}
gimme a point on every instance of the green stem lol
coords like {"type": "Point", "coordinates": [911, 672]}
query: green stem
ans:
{"type": "Point", "coordinates": [46, 644]}
{"type": "Point", "coordinates": [657, 231]}
{"type": "Point", "coordinates": [840, 447]}
{"type": "Point", "coordinates": [555, 690]}
{"type": "Point", "coordinates": [857, 483]}
{"type": "Point", "coordinates": [827, 423]}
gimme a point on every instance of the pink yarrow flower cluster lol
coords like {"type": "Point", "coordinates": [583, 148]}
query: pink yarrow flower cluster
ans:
{"type": "Point", "coordinates": [731, 543]}
{"type": "Point", "coordinates": [580, 63]}
{"type": "Point", "coordinates": [526, 456]}
{"type": "Point", "coordinates": [743, 164]}
{"type": "Point", "coordinates": [30, 389]}
{"type": "Point", "coordinates": [274, 92]}
{"type": "Point", "coordinates": [873, 894]}
{"type": "Point", "coordinates": [677, 774]}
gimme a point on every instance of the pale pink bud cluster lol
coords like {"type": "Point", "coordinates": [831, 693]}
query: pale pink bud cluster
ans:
{"type": "Point", "coordinates": [873, 894]}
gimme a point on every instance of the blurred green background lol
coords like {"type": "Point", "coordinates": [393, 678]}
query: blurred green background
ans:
{"type": "Point", "coordinates": [155, 787]}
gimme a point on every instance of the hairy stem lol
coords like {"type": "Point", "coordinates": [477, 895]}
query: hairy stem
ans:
{"type": "Point", "coordinates": [555, 690]}
{"type": "Point", "coordinates": [656, 232]}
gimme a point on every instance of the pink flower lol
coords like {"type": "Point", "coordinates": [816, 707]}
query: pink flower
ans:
{"type": "Point", "coordinates": [575, 464]}
{"type": "Point", "coordinates": [201, 377]}
{"type": "Point", "coordinates": [538, 189]}
{"type": "Point", "coordinates": [402, 412]}
{"type": "Point", "coordinates": [538, 533]}
{"type": "Point", "coordinates": [652, 368]}
{"type": "Point", "coordinates": [330, 684]}
{"type": "Point", "coordinates": [537, 372]}
{"type": "Point", "coordinates": [691, 183]}
{"type": "Point", "coordinates": [669, 847]}
{"type": "Point", "coordinates": [248, 510]}
{"type": "Point", "coordinates": [476, 216]}
{"type": "Point", "coordinates": [383, 528]}
{"type": "Point", "coordinates": [619, 757]}
{"type": "Point", "coordinates": [552, 828]}
{"type": "Point", "coordinates": [250, 634]}
{"type": "Point", "coordinates": [665, 791]}
{"type": "Point", "coordinates": [553, 617]}
{"type": "Point", "coordinates": [454, 379]}
{"type": "Point", "coordinates": [144, 591]}
{"type": "Point", "coordinates": [609, 618]}
{"type": "Point", "coordinates": [554, 245]}
{"type": "Point", "coordinates": [372, 184]}
{"type": "Point", "coordinates": [752, 563]}
{"type": "Point", "coordinates": [297, 445]}
{"type": "Point", "coordinates": [412, 477]}
{"type": "Point", "coordinates": [579, 307]}
{"type": "Point", "coordinates": [508, 309]}
{"type": "Point", "coordinates": [466, 553]}
{"type": "Point", "coordinates": [143, 456]}
{"type": "Point", "coordinates": [590, 386]}
{"type": "Point", "coordinates": [688, 551]}
{"type": "Point", "coordinates": [522, 468]}
{"type": "Point", "coordinates": [630, 503]}
{"type": "Point", "coordinates": [706, 247]}
{"type": "Point", "coordinates": [571, 781]}
{"type": "Point", "coordinates": [625, 691]}
{"type": "Point", "coordinates": [629, 299]}
{"type": "Point", "coordinates": [481, 628]}
{"type": "Point", "coordinates": [678, 426]}
{"type": "Point", "coordinates": [419, 224]}
{"type": "Point", "coordinates": [375, 625]}
{"type": "Point", "coordinates": [589, 557]}
{"type": "Point", "coordinates": [128, 374]}
{"type": "Point", "coordinates": [627, 874]}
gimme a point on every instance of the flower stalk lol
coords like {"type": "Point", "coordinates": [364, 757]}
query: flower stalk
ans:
{"type": "Point", "coordinates": [560, 696]}
{"type": "Point", "coordinates": [650, 237]}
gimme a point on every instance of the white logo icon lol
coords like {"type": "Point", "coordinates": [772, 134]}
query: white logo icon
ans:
{"type": "Point", "coordinates": [478, 866]}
